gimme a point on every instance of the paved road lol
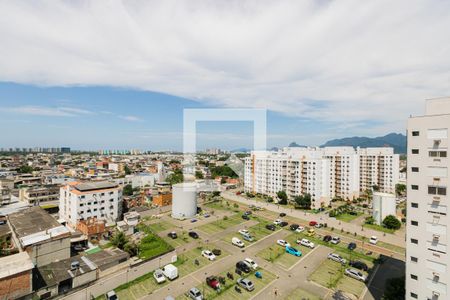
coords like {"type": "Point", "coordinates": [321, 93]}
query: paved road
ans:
{"type": "Point", "coordinates": [332, 222]}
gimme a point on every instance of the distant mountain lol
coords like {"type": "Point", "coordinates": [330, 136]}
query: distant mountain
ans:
{"type": "Point", "coordinates": [394, 140]}
{"type": "Point", "coordinates": [294, 144]}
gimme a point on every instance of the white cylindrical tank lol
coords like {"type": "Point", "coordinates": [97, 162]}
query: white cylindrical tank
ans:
{"type": "Point", "coordinates": [184, 200]}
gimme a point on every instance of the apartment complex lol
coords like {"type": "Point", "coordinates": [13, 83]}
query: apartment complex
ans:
{"type": "Point", "coordinates": [6, 187]}
{"type": "Point", "coordinates": [36, 195]}
{"type": "Point", "coordinates": [81, 201]}
{"type": "Point", "coordinates": [427, 265]}
{"type": "Point", "coordinates": [324, 173]}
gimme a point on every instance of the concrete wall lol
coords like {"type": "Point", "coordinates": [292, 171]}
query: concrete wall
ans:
{"type": "Point", "coordinates": [43, 254]}
{"type": "Point", "coordinates": [15, 286]}
{"type": "Point", "coordinates": [111, 282]}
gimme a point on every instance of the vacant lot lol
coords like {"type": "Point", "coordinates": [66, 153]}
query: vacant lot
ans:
{"type": "Point", "coordinates": [160, 225]}
{"type": "Point", "coordinates": [221, 224]}
{"type": "Point", "coordinates": [152, 246]}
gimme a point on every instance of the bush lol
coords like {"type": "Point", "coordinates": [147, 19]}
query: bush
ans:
{"type": "Point", "coordinates": [391, 222]}
{"type": "Point", "coordinates": [369, 220]}
{"type": "Point", "coordinates": [282, 197]}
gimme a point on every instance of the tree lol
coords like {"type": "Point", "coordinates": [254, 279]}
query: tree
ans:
{"type": "Point", "coordinates": [304, 201]}
{"type": "Point", "coordinates": [127, 170]}
{"type": "Point", "coordinates": [375, 188]}
{"type": "Point", "coordinates": [25, 169]}
{"type": "Point", "coordinates": [128, 190]}
{"type": "Point", "coordinates": [400, 189]}
{"type": "Point", "coordinates": [222, 171]}
{"type": "Point", "coordinates": [392, 222]}
{"type": "Point", "coordinates": [199, 175]}
{"type": "Point", "coordinates": [370, 220]}
{"type": "Point", "coordinates": [282, 197]}
{"type": "Point", "coordinates": [175, 177]}
{"type": "Point", "coordinates": [216, 193]}
{"type": "Point", "coordinates": [394, 289]}
{"type": "Point", "coordinates": [131, 248]}
{"type": "Point", "coordinates": [119, 240]}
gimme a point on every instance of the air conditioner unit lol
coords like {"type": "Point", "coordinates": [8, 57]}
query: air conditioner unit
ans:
{"type": "Point", "coordinates": [435, 294]}
{"type": "Point", "coordinates": [436, 237]}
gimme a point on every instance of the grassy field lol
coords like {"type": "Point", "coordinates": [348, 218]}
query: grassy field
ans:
{"type": "Point", "coordinates": [221, 224]}
{"type": "Point", "coordinates": [227, 290]}
{"type": "Point", "coordinates": [379, 228]}
{"type": "Point", "coordinates": [257, 231]}
{"type": "Point", "coordinates": [300, 294]}
{"type": "Point", "coordinates": [347, 217]}
{"type": "Point", "coordinates": [186, 261]}
{"type": "Point", "coordinates": [152, 246]}
{"type": "Point", "coordinates": [160, 226]}
{"type": "Point", "coordinates": [182, 239]}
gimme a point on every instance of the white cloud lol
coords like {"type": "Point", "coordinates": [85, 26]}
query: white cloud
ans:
{"type": "Point", "coordinates": [342, 61]}
{"type": "Point", "coordinates": [46, 111]}
{"type": "Point", "coordinates": [130, 118]}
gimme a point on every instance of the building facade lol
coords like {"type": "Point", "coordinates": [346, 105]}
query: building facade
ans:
{"type": "Point", "coordinates": [324, 173]}
{"type": "Point", "coordinates": [427, 258]}
{"type": "Point", "coordinates": [81, 201]}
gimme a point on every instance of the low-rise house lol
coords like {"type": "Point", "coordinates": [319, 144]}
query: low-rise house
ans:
{"type": "Point", "coordinates": [15, 276]}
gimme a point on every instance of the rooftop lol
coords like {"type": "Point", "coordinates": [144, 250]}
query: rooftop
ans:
{"type": "Point", "coordinates": [15, 264]}
{"type": "Point", "coordinates": [92, 186]}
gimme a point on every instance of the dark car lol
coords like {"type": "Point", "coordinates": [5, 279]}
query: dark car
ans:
{"type": "Point", "coordinates": [327, 238]}
{"type": "Point", "coordinates": [294, 227]}
{"type": "Point", "coordinates": [248, 212]}
{"type": "Point", "coordinates": [245, 217]}
{"type": "Point", "coordinates": [282, 215]}
{"type": "Point", "coordinates": [351, 246]}
{"type": "Point", "coordinates": [359, 265]}
{"type": "Point", "coordinates": [312, 223]}
{"type": "Point", "coordinates": [284, 223]}
{"type": "Point", "coordinates": [216, 252]}
{"type": "Point", "coordinates": [172, 234]}
{"type": "Point", "coordinates": [193, 234]}
{"type": "Point", "coordinates": [213, 282]}
{"type": "Point", "coordinates": [242, 266]}
{"type": "Point", "coordinates": [271, 227]}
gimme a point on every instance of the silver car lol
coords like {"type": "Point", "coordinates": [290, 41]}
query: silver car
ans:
{"type": "Point", "coordinates": [246, 284]}
{"type": "Point", "coordinates": [337, 258]}
{"type": "Point", "coordinates": [355, 274]}
{"type": "Point", "coordinates": [195, 294]}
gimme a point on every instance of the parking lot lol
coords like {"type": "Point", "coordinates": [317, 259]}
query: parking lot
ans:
{"type": "Point", "coordinates": [304, 272]}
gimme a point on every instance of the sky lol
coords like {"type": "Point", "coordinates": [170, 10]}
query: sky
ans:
{"type": "Point", "coordinates": [117, 75]}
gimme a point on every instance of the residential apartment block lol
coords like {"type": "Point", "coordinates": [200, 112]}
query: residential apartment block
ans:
{"type": "Point", "coordinates": [324, 173]}
{"type": "Point", "coordinates": [427, 236]}
{"type": "Point", "coordinates": [81, 201]}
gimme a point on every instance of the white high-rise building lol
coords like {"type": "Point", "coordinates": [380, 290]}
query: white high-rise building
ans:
{"type": "Point", "coordinates": [427, 258]}
{"type": "Point", "coordinates": [324, 173]}
{"type": "Point", "coordinates": [81, 201]}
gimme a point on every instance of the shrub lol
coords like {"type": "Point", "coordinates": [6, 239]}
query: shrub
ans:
{"type": "Point", "coordinates": [392, 222]}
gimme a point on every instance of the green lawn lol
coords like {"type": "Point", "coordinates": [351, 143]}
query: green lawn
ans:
{"type": "Point", "coordinates": [152, 246]}
{"type": "Point", "coordinates": [258, 231]}
{"type": "Point", "coordinates": [227, 290]}
{"type": "Point", "coordinates": [379, 228]}
{"type": "Point", "coordinates": [221, 224]}
{"type": "Point", "coordinates": [160, 226]}
{"type": "Point", "coordinates": [347, 217]}
{"type": "Point", "coordinates": [300, 294]}
{"type": "Point", "coordinates": [182, 239]}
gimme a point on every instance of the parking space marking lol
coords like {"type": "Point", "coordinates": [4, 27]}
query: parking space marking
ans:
{"type": "Point", "coordinates": [366, 288]}
{"type": "Point", "coordinates": [300, 260]}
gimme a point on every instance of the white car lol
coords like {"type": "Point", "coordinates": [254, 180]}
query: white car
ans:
{"type": "Point", "coordinates": [335, 240]}
{"type": "Point", "coordinates": [306, 243]}
{"type": "Point", "coordinates": [159, 276]}
{"type": "Point", "coordinates": [283, 243]}
{"type": "Point", "coordinates": [300, 229]}
{"type": "Point", "coordinates": [355, 274]}
{"type": "Point", "coordinates": [208, 254]}
{"type": "Point", "coordinates": [237, 242]}
{"type": "Point", "coordinates": [277, 222]}
{"type": "Point", "coordinates": [337, 258]}
{"type": "Point", "coordinates": [243, 231]}
{"type": "Point", "coordinates": [251, 263]}
{"type": "Point", "coordinates": [373, 240]}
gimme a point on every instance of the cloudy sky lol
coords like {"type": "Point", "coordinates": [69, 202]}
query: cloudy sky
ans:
{"type": "Point", "coordinates": [93, 74]}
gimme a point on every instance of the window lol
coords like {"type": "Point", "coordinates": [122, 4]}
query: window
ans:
{"type": "Point", "coordinates": [415, 151]}
{"type": "Point", "coordinates": [414, 205]}
{"type": "Point", "coordinates": [413, 295]}
{"type": "Point", "coordinates": [414, 277]}
{"type": "Point", "coordinates": [414, 169]}
{"type": "Point", "coordinates": [415, 133]}
{"type": "Point", "coordinates": [437, 153]}
{"type": "Point", "coordinates": [414, 241]}
{"type": "Point", "coordinates": [415, 187]}
{"type": "Point", "coordinates": [437, 190]}
{"type": "Point", "coordinates": [414, 223]}
{"type": "Point", "coordinates": [414, 259]}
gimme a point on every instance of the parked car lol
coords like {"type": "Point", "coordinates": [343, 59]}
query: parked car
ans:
{"type": "Point", "coordinates": [159, 276]}
{"type": "Point", "coordinates": [237, 242]}
{"type": "Point", "coordinates": [351, 246]}
{"type": "Point", "coordinates": [319, 225]}
{"type": "Point", "coordinates": [337, 258]}
{"type": "Point", "coordinates": [282, 215]}
{"type": "Point", "coordinates": [172, 234]}
{"type": "Point", "coordinates": [242, 266]}
{"type": "Point", "coordinates": [206, 215]}
{"type": "Point", "coordinates": [293, 251]}
{"type": "Point", "coordinates": [284, 224]}
{"type": "Point", "coordinates": [247, 237]}
{"type": "Point", "coordinates": [209, 255]}
{"type": "Point", "coordinates": [170, 271]}
{"type": "Point", "coordinates": [359, 265]}
{"type": "Point", "coordinates": [270, 227]}
{"type": "Point", "coordinates": [193, 234]}
{"type": "Point", "coordinates": [283, 243]}
{"type": "Point", "coordinates": [311, 232]}
{"type": "Point", "coordinates": [312, 223]}
{"type": "Point", "coordinates": [246, 284]}
{"type": "Point", "coordinates": [243, 231]}
{"type": "Point", "coordinates": [355, 274]}
{"type": "Point", "coordinates": [327, 238]}
{"type": "Point", "coordinates": [213, 282]}
{"type": "Point", "coordinates": [373, 240]}
{"type": "Point", "coordinates": [111, 295]}
{"type": "Point", "coordinates": [252, 263]}
{"type": "Point", "coordinates": [193, 220]}
{"type": "Point", "coordinates": [335, 240]}
{"type": "Point", "coordinates": [245, 217]}
{"type": "Point", "coordinates": [300, 229]}
{"type": "Point", "coordinates": [306, 243]}
{"type": "Point", "coordinates": [294, 227]}
{"type": "Point", "coordinates": [195, 294]}
{"type": "Point", "coordinates": [217, 252]}
{"type": "Point", "coordinates": [248, 212]}
{"type": "Point", "coordinates": [277, 222]}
